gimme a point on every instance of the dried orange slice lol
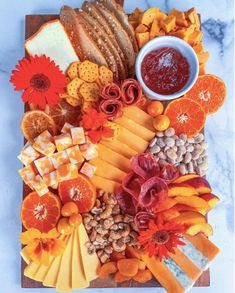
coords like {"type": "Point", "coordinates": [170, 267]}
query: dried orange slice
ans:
{"type": "Point", "coordinates": [186, 116]}
{"type": "Point", "coordinates": [35, 122]}
{"type": "Point", "coordinates": [209, 91]}
{"type": "Point", "coordinates": [63, 112]}
{"type": "Point", "coordinates": [40, 212]}
{"type": "Point", "coordinates": [79, 190]}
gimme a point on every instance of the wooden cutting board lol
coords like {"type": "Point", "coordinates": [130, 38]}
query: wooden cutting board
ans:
{"type": "Point", "coordinates": [32, 24]}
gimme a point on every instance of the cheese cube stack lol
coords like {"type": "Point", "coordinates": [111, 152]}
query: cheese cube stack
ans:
{"type": "Point", "coordinates": [43, 144]}
{"type": "Point", "coordinates": [63, 141]}
{"type": "Point", "coordinates": [28, 155]}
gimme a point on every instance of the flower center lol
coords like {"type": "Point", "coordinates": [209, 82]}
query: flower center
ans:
{"type": "Point", "coordinates": [161, 237]}
{"type": "Point", "coordinates": [40, 82]}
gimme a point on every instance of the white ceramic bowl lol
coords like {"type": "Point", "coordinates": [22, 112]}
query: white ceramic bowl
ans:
{"type": "Point", "coordinates": [185, 49]}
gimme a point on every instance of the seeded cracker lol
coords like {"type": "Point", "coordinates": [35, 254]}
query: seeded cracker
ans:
{"type": "Point", "coordinates": [86, 105]}
{"type": "Point", "coordinates": [88, 71]}
{"type": "Point", "coordinates": [90, 92]}
{"type": "Point", "coordinates": [72, 71]}
{"type": "Point", "coordinates": [105, 75]}
{"type": "Point", "coordinates": [73, 86]}
{"type": "Point", "coordinates": [74, 102]}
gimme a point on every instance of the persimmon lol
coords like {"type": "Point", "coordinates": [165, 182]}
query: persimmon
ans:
{"type": "Point", "coordinates": [106, 269]}
{"type": "Point", "coordinates": [128, 266]}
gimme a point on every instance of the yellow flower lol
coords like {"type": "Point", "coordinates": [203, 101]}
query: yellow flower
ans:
{"type": "Point", "coordinates": [40, 246]}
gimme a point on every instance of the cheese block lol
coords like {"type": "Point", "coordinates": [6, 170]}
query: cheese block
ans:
{"type": "Point", "coordinates": [139, 116]}
{"type": "Point", "coordinates": [52, 40]}
{"type": "Point", "coordinates": [119, 147]}
{"type": "Point", "coordinates": [132, 140]}
{"type": "Point", "coordinates": [90, 262]}
{"type": "Point", "coordinates": [64, 278]}
{"type": "Point", "coordinates": [105, 184]}
{"type": "Point", "coordinates": [108, 171]}
{"type": "Point", "coordinates": [114, 158]}
{"type": "Point", "coordinates": [135, 128]}
{"type": "Point", "coordinates": [79, 280]}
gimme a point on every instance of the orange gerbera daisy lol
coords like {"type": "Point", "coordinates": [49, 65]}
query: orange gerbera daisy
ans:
{"type": "Point", "coordinates": [41, 80]}
{"type": "Point", "coordinates": [161, 238]}
{"type": "Point", "coordinates": [40, 246]}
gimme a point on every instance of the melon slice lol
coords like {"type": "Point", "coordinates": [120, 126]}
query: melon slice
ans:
{"type": "Point", "coordinates": [52, 40]}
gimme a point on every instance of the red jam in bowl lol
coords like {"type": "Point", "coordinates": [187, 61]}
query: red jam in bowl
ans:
{"type": "Point", "coordinates": [165, 71]}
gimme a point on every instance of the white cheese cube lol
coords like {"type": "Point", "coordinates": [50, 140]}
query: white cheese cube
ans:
{"type": "Point", "coordinates": [63, 141]}
{"type": "Point", "coordinates": [78, 135]}
{"type": "Point", "coordinates": [44, 165]}
{"type": "Point", "coordinates": [88, 169]}
{"type": "Point", "coordinates": [28, 155]}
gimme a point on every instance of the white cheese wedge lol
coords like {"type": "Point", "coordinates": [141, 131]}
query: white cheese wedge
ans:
{"type": "Point", "coordinates": [52, 40]}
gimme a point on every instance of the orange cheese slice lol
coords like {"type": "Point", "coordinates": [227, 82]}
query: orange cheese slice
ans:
{"type": "Point", "coordinates": [114, 158]}
{"type": "Point", "coordinates": [136, 128]}
{"type": "Point", "coordinates": [105, 184]}
{"type": "Point", "coordinates": [119, 147]}
{"type": "Point", "coordinates": [52, 273]}
{"type": "Point", "coordinates": [108, 171]}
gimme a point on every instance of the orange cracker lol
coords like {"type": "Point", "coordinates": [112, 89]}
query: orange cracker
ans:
{"type": "Point", "coordinates": [72, 71]}
{"type": "Point", "coordinates": [88, 71]}
{"type": "Point", "coordinates": [73, 86]}
{"type": "Point", "coordinates": [74, 101]}
{"type": "Point", "coordinates": [86, 105]}
{"type": "Point", "coordinates": [105, 75]}
{"type": "Point", "coordinates": [90, 91]}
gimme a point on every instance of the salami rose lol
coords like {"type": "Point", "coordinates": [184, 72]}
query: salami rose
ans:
{"type": "Point", "coordinates": [112, 108]}
{"type": "Point", "coordinates": [132, 184]}
{"type": "Point", "coordinates": [126, 202]}
{"type": "Point", "coordinates": [153, 192]}
{"type": "Point", "coordinates": [145, 165]}
{"type": "Point", "coordinates": [131, 92]}
{"type": "Point", "coordinates": [169, 172]}
{"type": "Point", "coordinates": [111, 91]}
{"type": "Point", "coordinates": [142, 219]}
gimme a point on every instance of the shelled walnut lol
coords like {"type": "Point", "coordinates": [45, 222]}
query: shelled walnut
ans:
{"type": "Point", "coordinates": [108, 229]}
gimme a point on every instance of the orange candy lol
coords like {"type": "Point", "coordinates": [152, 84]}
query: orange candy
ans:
{"type": "Point", "coordinates": [161, 122]}
{"type": "Point", "coordinates": [155, 108]}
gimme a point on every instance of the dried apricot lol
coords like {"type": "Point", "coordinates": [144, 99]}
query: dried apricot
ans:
{"type": "Point", "coordinates": [106, 269]}
{"type": "Point", "coordinates": [119, 278]}
{"type": "Point", "coordinates": [115, 256]}
{"type": "Point", "coordinates": [131, 252]}
{"type": "Point", "coordinates": [143, 276]}
{"type": "Point", "coordinates": [128, 266]}
{"type": "Point", "coordinates": [142, 265]}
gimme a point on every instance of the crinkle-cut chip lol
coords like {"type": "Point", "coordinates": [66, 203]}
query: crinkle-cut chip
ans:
{"type": "Point", "coordinates": [67, 172]}
{"type": "Point", "coordinates": [86, 105]}
{"type": "Point", "coordinates": [78, 135]}
{"type": "Point", "coordinates": [39, 185]}
{"type": "Point", "coordinates": [90, 91]}
{"type": "Point", "coordinates": [73, 87]}
{"type": "Point", "coordinates": [63, 141]}
{"type": "Point", "coordinates": [50, 179]}
{"type": "Point", "coordinates": [59, 159]}
{"type": "Point", "coordinates": [28, 155]}
{"type": "Point", "coordinates": [27, 174]}
{"type": "Point", "coordinates": [88, 71]}
{"type": "Point", "coordinates": [66, 128]}
{"type": "Point", "coordinates": [88, 169]}
{"type": "Point", "coordinates": [105, 75]}
{"type": "Point", "coordinates": [75, 155]}
{"type": "Point", "coordinates": [116, 130]}
{"type": "Point", "coordinates": [72, 71]}
{"type": "Point", "coordinates": [44, 165]}
{"type": "Point", "coordinates": [74, 101]}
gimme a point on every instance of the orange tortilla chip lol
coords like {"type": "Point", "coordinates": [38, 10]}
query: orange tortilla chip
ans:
{"type": "Point", "coordinates": [90, 91]}
{"type": "Point", "coordinates": [105, 75]}
{"type": "Point", "coordinates": [88, 71]}
{"type": "Point", "coordinates": [72, 71]}
{"type": "Point", "coordinates": [73, 102]}
{"type": "Point", "coordinates": [73, 86]}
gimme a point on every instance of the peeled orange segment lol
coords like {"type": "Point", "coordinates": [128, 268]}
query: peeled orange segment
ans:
{"type": "Point", "coordinates": [80, 190]}
{"type": "Point", "coordinates": [64, 112]}
{"type": "Point", "coordinates": [209, 91]}
{"type": "Point", "coordinates": [40, 212]}
{"type": "Point", "coordinates": [186, 116]}
{"type": "Point", "coordinates": [35, 122]}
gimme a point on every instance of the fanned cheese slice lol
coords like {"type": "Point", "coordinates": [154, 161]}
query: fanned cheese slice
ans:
{"type": "Point", "coordinates": [119, 147]}
{"type": "Point", "coordinates": [52, 40]}
{"type": "Point", "coordinates": [31, 269]}
{"type": "Point", "coordinates": [25, 255]}
{"type": "Point", "coordinates": [105, 184]}
{"type": "Point", "coordinates": [91, 262]}
{"type": "Point", "coordinates": [78, 275]}
{"type": "Point", "coordinates": [135, 128]}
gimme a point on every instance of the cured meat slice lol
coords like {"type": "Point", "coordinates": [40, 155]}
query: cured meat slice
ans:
{"type": "Point", "coordinates": [112, 108]}
{"type": "Point", "coordinates": [145, 165]}
{"type": "Point", "coordinates": [132, 184]}
{"type": "Point", "coordinates": [169, 172]}
{"type": "Point", "coordinates": [142, 219]}
{"type": "Point", "coordinates": [131, 92]}
{"type": "Point", "coordinates": [111, 91]}
{"type": "Point", "coordinates": [126, 202]}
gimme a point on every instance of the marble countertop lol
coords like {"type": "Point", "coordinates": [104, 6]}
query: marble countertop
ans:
{"type": "Point", "coordinates": [217, 23]}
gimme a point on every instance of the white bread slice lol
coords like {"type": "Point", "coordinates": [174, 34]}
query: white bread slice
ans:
{"type": "Point", "coordinates": [51, 39]}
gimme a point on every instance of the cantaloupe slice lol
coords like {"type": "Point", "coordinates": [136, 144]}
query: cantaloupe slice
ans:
{"type": "Point", "coordinates": [52, 40]}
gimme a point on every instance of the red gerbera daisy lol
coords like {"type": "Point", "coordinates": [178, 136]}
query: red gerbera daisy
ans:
{"type": "Point", "coordinates": [93, 122]}
{"type": "Point", "coordinates": [161, 238]}
{"type": "Point", "coordinates": [41, 80]}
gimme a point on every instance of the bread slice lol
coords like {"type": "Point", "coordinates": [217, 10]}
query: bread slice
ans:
{"type": "Point", "coordinates": [121, 67]}
{"type": "Point", "coordinates": [122, 17]}
{"type": "Point", "coordinates": [120, 34]}
{"type": "Point", "coordinates": [83, 44]}
{"type": "Point", "coordinates": [51, 39]}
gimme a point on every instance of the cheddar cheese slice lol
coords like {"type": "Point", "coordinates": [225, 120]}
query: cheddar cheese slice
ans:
{"type": "Point", "coordinates": [114, 158]}
{"type": "Point", "coordinates": [105, 184]}
{"type": "Point", "coordinates": [136, 128]}
{"type": "Point", "coordinates": [119, 147]}
{"type": "Point", "coordinates": [139, 116]}
{"type": "Point", "coordinates": [108, 171]}
{"type": "Point", "coordinates": [90, 262]}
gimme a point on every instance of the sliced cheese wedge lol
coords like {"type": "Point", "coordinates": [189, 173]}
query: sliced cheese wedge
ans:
{"type": "Point", "coordinates": [114, 158]}
{"type": "Point", "coordinates": [119, 147]}
{"type": "Point", "coordinates": [52, 40]}
{"type": "Point", "coordinates": [31, 270]}
{"type": "Point", "coordinates": [52, 273]}
{"type": "Point", "coordinates": [25, 255]}
{"type": "Point", "coordinates": [105, 184]}
{"type": "Point", "coordinates": [79, 280]}
{"type": "Point", "coordinates": [91, 262]}
{"type": "Point", "coordinates": [135, 128]}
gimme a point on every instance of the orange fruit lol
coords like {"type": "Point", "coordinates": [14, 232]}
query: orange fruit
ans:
{"type": "Point", "coordinates": [64, 112]}
{"type": "Point", "coordinates": [40, 212]}
{"type": "Point", "coordinates": [35, 122]}
{"type": "Point", "coordinates": [63, 226]}
{"type": "Point", "coordinates": [155, 108]}
{"type": "Point", "coordinates": [209, 91]}
{"type": "Point", "coordinates": [68, 209]}
{"type": "Point", "coordinates": [186, 116]}
{"type": "Point", "coordinates": [75, 220]}
{"type": "Point", "coordinates": [161, 122]}
{"type": "Point", "coordinates": [79, 190]}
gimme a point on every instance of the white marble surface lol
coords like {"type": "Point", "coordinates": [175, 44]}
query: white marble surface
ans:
{"type": "Point", "coordinates": [217, 22]}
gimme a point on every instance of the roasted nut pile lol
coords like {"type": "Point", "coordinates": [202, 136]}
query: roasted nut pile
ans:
{"type": "Point", "coordinates": [108, 229]}
{"type": "Point", "coordinates": [188, 153]}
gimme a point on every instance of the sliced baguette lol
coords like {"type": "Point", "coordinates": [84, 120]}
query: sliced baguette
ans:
{"type": "Point", "coordinates": [83, 44]}
{"type": "Point", "coordinates": [120, 14]}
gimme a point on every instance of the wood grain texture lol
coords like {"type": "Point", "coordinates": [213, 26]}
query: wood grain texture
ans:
{"type": "Point", "coordinates": [33, 23]}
